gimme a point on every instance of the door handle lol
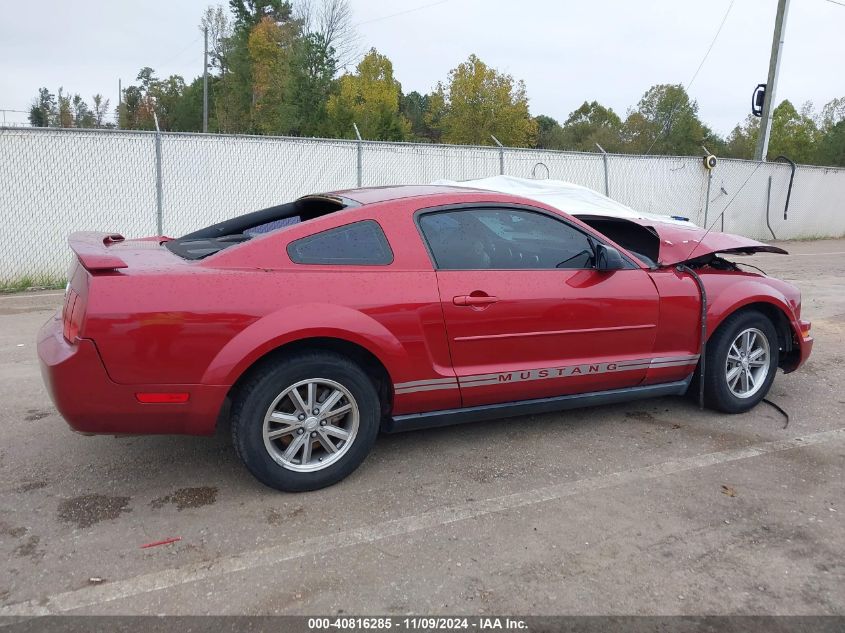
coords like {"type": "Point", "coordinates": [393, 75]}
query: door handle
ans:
{"type": "Point", "coordinates": [473, 300]}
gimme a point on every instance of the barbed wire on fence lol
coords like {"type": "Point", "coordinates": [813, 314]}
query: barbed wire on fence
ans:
{"type": "Point", "coordinates": [56, 181]}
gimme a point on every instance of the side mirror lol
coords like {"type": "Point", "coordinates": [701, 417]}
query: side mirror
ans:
{"type": "Point", "coordinates": [608, 258]}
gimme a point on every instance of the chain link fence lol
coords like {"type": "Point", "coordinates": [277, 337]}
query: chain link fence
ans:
{"type": "Point", "coordinates": [56, 181]}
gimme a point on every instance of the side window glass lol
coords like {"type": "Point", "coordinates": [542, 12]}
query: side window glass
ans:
{"type": "Point", "coordinates": [505, 239]}
{"type": "Point", "coordinates": [359, 244]}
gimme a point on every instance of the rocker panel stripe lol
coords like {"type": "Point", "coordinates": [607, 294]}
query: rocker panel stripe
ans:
{"type": "Point", "coordinates": [546, 373]}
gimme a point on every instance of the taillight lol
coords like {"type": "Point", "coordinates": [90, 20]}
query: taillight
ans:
{"type": "Point", "coordinates": [72, 316]}
{"type": "Point", "coordinates": [70, 303]}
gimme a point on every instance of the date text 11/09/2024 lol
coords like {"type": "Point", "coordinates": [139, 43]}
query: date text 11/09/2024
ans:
{"type": "Point", "coordinates": [418, 623]}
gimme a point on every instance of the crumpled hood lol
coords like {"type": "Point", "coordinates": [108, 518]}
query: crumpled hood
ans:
{"type": "Point", "coordinates": [678, 237]}
{"type": "Point", "coordinates": [679, 244]}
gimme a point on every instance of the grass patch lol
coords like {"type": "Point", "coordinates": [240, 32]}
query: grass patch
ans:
{"type": "Point", "coordinates": [32, 283]}
{"type": "Point", "coordinates": [811, 238]}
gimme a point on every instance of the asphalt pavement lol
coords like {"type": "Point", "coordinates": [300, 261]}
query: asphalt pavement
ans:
{"type": "Point", "coordinates": [653, 507]}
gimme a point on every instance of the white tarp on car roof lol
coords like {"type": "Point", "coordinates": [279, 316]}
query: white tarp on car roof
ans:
{"type": "Point", "coordinates": [566, 196]}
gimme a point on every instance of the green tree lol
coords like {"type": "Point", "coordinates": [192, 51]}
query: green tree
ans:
{"type": "Point", "coordinates": [370, 99]}
{"type": "Point", "coordinates": [99, 110]}
{"type": "Point", "coordinates": [65, 112]}
{"type": "Point", "coordinates": [136, 112]}
{"type": "Point", "coordinates": [43, 112]}
{"type": "Point", "coordinates": [666, 122]}
{"type": "Point", "coordinates": [233, 98]}
{"type": "Point", "coordinates": [219, 27]}
{"type": "Point", "coordinates": [832, 113]}
{"type": "Point", "coordinates": [184, 114]}
{"type": "Point", "coordinates": [270, 48]}
{"type": "Point", "coordinates": [82, 115]}
{"type": "Point", "coordinates": [175, 105]}
{"type": "Point", "coordinates": [435, 113]}
{"type": "Point", "coordinates": [414, 107]}
{"type": "Point", "coordinates": [549, 133]}
{"type": "Point", "coordinates": [248, 13]}
{"type": "Point", "coordinates": [742, 141]}
{"type": "Point", "coordinates": [480, 102]}
{"type": "Point", "coordinates": [830, 144]}
{"type": "Point", "coordinates": [831, 147]}
{"type": "Point", "coordinates": [313, 67]}
{"type": "Point", "coordinates": [253, 91]}
{"type": "Point", "coordinates": [590, 124]}
{"type": "Point", "coordinates": [794, 133]}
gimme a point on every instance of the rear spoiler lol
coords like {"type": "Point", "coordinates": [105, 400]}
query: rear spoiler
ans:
{"type": "Point", "coordinates": [92, 250]}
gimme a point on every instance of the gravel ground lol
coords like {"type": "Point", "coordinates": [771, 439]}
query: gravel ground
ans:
{"type": "Point", "coordinates": [649, 508]}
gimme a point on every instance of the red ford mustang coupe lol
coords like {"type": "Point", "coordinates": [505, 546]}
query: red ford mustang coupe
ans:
{"type": "Point", "coordinates": [317, 323]}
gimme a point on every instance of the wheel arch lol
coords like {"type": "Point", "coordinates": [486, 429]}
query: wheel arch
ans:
{"type": "Point", "coordinates": [357, 353]}
{"type": "Point", "coordinates": [776, 312]}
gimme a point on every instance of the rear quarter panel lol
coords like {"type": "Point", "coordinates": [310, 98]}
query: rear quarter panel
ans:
{"type": "Point", "coordinates": [206, 322]}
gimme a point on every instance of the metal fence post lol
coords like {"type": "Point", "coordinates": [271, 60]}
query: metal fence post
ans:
{"type": "Point", "coordinates": [501, 155]}
{"type": "Point", "coordinates": [606, 177]}
{"type": "Point", "coordinates": [159, 228]}
{"type": "Point", "coordinates": [768, 205]}
{"type": "Point", "coordinates": [707, 199]}
{"type": "Point", "coordinates": [360, 152]}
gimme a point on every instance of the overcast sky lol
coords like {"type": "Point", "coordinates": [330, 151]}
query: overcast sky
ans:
{"type": "Point", "coordinates": [566, 51]}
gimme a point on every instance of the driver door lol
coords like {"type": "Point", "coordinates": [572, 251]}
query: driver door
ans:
{"type": "Point", "coordinates": [526, 313]}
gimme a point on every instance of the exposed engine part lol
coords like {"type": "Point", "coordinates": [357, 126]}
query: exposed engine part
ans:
{"type": "Point", "coordinates": [712, 261]}
{"type": "Point", "coordinates": [754, 267]}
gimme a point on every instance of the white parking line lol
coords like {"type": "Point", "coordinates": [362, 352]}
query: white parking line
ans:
{"type": "Point", "coordinates": [156, 581]}
{"type": "Point", "coordinates": [52, 294]}
{"type": "Point", "coordinates": [816, 254]}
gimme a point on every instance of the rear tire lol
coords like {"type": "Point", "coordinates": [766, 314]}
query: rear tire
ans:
{"type": "Point", "coordinates": [741, 362]}
{"type": "Point", "coordinates": [280, 432]}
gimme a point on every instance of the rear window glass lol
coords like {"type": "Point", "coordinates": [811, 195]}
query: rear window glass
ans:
{"type": "Point", "coordinates": [272, 226]}
{"type": "Point", "coordinates": [359, 244]}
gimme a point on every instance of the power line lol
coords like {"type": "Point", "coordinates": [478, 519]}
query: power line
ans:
{"type": "Point", "coordinates": [393, 15]}
{"type": "Point", "coordinates": [354, 62]}
{"type": "Point", "coordinates": [181, 52]}
{"type": "Point", "coordinates": [841, 4]}
{"type": "Point", "coordinates": [694, 76]}
{"type": "Point", "coordinates": [712, 43]}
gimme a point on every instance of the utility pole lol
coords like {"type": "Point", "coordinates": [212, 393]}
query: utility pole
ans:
{"type": "Point", "coordinates": [772, 83]}
{"type": "Point", "coordinates": [205, 83]}
{"type": "Point", "coordinates": [119, 101]}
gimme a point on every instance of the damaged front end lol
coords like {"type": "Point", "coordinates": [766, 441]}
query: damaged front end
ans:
{"type": "Point", "coordinates": [692, 250]}
{"type": "Point", "coordinates": [659, 244]}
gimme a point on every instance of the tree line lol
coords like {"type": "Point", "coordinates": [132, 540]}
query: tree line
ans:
{"type": "Point", "coordinates": [275, 69]}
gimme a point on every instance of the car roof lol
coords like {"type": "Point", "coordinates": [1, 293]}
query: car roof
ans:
{"type": "Point", "coordinates": [372, 195]}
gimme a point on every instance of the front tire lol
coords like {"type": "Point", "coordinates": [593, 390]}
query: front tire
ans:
{"type": "Point", "coordinates": [741, 362]}
{"type": "Point", "coordinates": [305, 422]}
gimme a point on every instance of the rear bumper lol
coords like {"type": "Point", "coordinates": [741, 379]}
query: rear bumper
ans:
{"type": "Point", "coordinates": [91, 402]}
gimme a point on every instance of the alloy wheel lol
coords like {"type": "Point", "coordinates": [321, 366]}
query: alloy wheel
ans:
{"type": "Point", "coordinates": [747, 364]}
{"type": "Point", "coordinates": [311, 425]}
